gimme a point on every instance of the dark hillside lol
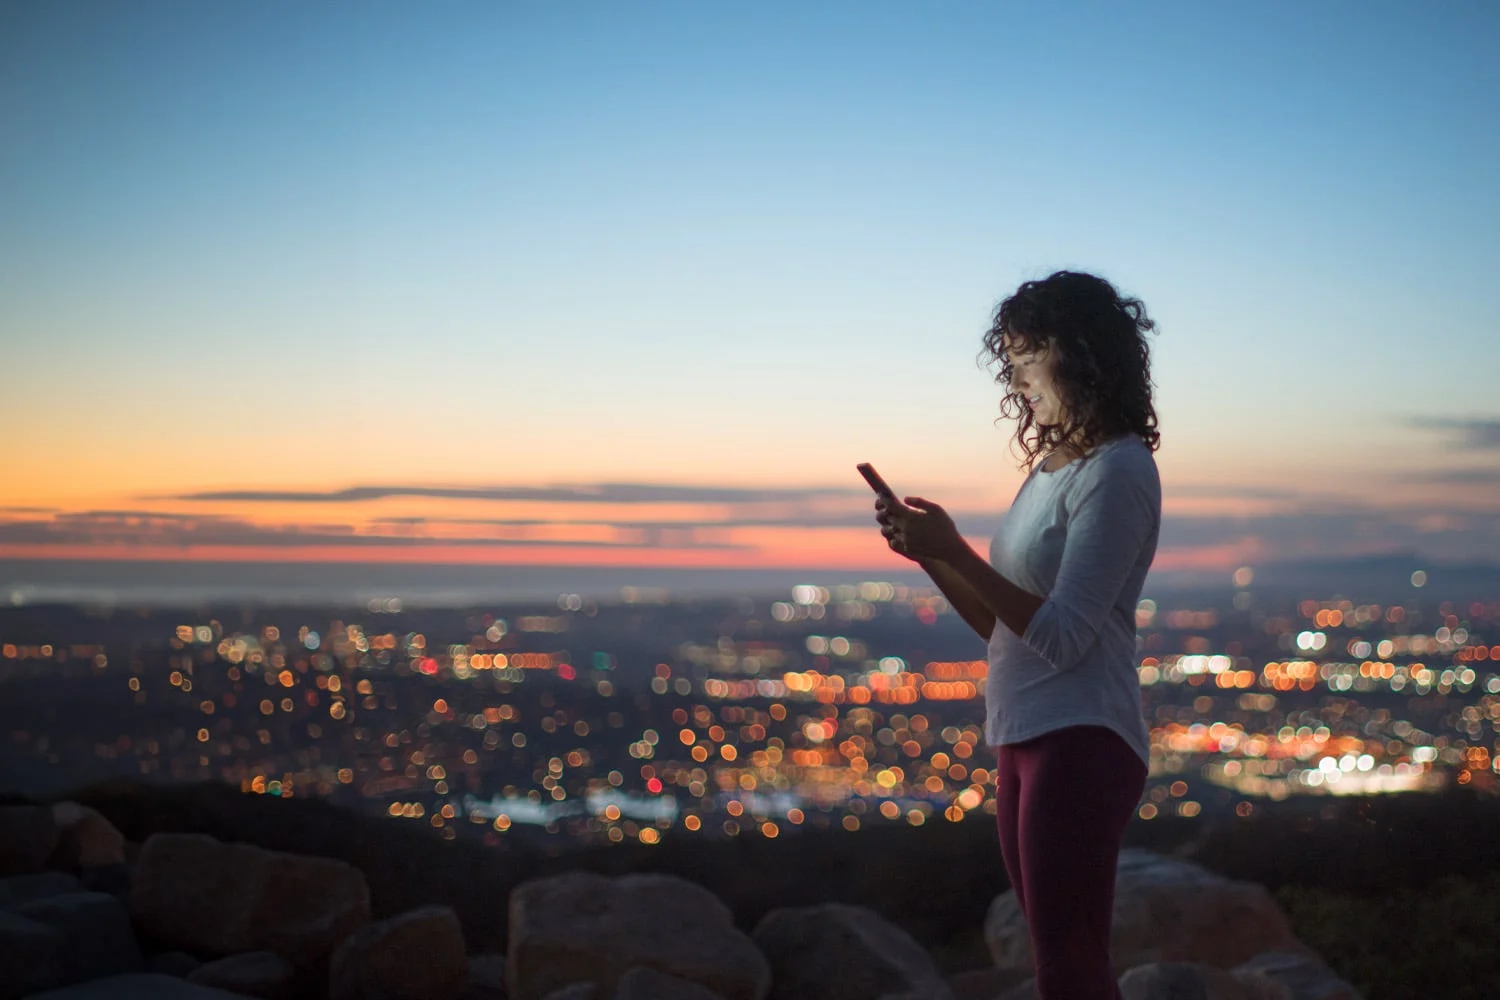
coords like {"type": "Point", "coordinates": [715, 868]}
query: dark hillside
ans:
{"type": "Point", "coordinates": [1340, 867]}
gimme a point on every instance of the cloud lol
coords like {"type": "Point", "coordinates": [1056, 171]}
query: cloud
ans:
{"type": "Point", "coordinates": [1471, 432]}
{"type": "Point", "coordinates": [970, 523]}
{"type": "Point", "coordinates": [128, 516]}
{"type": "Point", "coordinates": [1310, 527]}
{"type": "Point", "coordinates": [126, 528]}
{"type": "Point", "coordinates": [1215, 491]}
{"type": "Point", "coordinates": [1343, 530]}
{"type": "Point", "coordinates": [1468, 476]}
{"type": "Point", "coordinates": [621, 493]}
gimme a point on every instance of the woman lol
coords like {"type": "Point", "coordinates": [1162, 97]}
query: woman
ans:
{"type": "Point", "coordinates": [1056, 603]}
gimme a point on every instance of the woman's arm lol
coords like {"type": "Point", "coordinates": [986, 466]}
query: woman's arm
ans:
{"type": "Point", "coordinates": [980, 594]}
{"type": "Point", "coordinates": [1112, 518]}
{"type": "Point", "coordinates": [967, 603]}
{"type": "Point", "coordinates": [997, 597]}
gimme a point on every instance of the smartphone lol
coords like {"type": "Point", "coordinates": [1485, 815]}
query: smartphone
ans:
{"type": "Point", "coordinates": [876, 483]}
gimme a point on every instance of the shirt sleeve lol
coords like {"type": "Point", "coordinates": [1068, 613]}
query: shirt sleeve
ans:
{"type": "Point", "coordinates": [1111, 519]}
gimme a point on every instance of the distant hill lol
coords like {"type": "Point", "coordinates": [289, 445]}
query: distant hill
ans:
{"type": "Point", "coordinates": [1382, 578]}
{"type": "Point", "coordinates": [187, 583]}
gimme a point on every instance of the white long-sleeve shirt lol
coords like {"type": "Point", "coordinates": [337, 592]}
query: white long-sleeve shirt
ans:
{"type": "Point", "coordinates": [1081, 537]}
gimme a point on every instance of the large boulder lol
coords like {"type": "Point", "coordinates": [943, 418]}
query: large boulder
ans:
{"type": "Point", "coordinates": [1194, 981]}
{"type": "Point", "coordinates": [1024, 990]}
{"type": "Point", "coordinates": [575, 991]}
{"type": "Point", "coordinates": [19, 889]}
{"type": "Point", "coordinates": [984, 984]}
{"type": "Point", "coordinates": [28, 837]}
{"type": "Point", "coordinates": [100, 940]}
{"type": "Point", "coordinates": [193, 892]}
{"type": "Point", "coordinates": [137, 986]}
{"type": "Point", "coordinates": [583, 927]}
{"type": "Point", "coordinates": [1165, 910]}
{"type": "Point", "coordinates": [172, 963]}
{"type": "Point", "coordinates": [413, 956]}
{"type": "Point", "coordinates": [31, 955]}
{"type": "Point", "coordinates": [641, 983]}
{"type": "Point", "coordinates": [85, 838]}
{"type": "Point", "coordinates": [835, 951]}
{"type": "Point", "coordinates": [262, 974]}
{"type": "Point", "coordinates": [113, 879]}
{"type": "Point", "coordinates": [1304, 978]}
{"type": "Point", "coordinates": [486, 978]}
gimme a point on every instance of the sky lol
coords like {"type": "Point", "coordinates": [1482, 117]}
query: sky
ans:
{"type": "Point", "coordinates": [638, 284]}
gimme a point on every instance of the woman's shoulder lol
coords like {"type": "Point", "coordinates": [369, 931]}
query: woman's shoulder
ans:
{"type": "Point", "coordinates": [1126, 455]}
{"type": "Point", "coordinates": [1123, 448]}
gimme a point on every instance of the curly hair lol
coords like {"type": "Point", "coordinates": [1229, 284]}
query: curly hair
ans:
{"type": "Point", "coordinates": [1103, 361]}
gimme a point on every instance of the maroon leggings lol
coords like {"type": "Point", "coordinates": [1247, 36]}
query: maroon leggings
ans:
{"type": "Point", "coordinates": [1062, 802]}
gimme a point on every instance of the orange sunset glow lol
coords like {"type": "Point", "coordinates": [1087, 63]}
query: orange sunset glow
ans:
{"type": "Point", "coordinates": [648, 304]}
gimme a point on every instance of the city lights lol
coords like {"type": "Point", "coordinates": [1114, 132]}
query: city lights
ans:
{"type": "Point", "coordinates": [763, 717]}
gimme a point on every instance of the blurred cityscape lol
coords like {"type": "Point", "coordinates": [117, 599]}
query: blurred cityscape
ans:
{"type": "Point", "coordinates": [658, 715]}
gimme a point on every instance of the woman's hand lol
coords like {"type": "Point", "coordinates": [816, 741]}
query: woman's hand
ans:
{"type": "Point", "coordinates": [919, 529]}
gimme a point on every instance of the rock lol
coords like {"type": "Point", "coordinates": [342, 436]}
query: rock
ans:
{"type": "Point", "coordinates": [1165, 910]}
{"type": "Point", "coordinates": [1260, 987]}
{"type": "Point", "coordinates": [575, 991]}
{"type": "Point", "coordinates": [27, 838]}
{"type": "Point", "coordinates": [137, 986]}
{"type": "Point", "coordinates": [31, 955]}
{"type": "Point", "coordinates": [1182, 981]}
{"type": "Point", "coordinates": [1304, 978]}
{"type": "Point", "coordinates": [641, 983]}
{"type": "Point", "coordinates": [416, 955]}
{"type": "Point", "coordinates": [307, 906]}
{"type": "Point", "coordinates": [193, 892]}
{"type": "Point", "coordinates": [113, 879]}
{"type": "Point", "coordinates": [1007, 934]}
{"type": "Point", "coordinates": [99, 939]}
{"type": "Point", "coordinates": [1024, 990]}
{"type": "Point", "coordinates": [173, 963]}
{"type": "Point", "coordinates": [984, 984]}
{"type": "Point", "coordinates": [583, 927]}
{"type": "Point", "coordinates": [486, 978]}
{"type": "Point", "coordinates": [262, 974]}
{"type": "Point", "coordinates": [20, 889]}
{"type": "Point", "coordinates": [835, 951]}
{"type": "Point", "coordinates": [85, 838]}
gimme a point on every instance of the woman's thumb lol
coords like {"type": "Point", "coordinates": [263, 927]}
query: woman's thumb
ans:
{"type": "Point", "coordinates": [918, 502]}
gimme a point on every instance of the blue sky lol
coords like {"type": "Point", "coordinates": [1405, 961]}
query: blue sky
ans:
{"type": "Point", "coordinates": [276, 245]}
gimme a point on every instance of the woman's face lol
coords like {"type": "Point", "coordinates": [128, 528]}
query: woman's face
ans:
{"type": "Point", "coordinates": [1033, 366]}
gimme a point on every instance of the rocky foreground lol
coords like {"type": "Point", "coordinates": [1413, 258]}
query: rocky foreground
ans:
{"type": "Point", "coordinates": [84, 915]}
